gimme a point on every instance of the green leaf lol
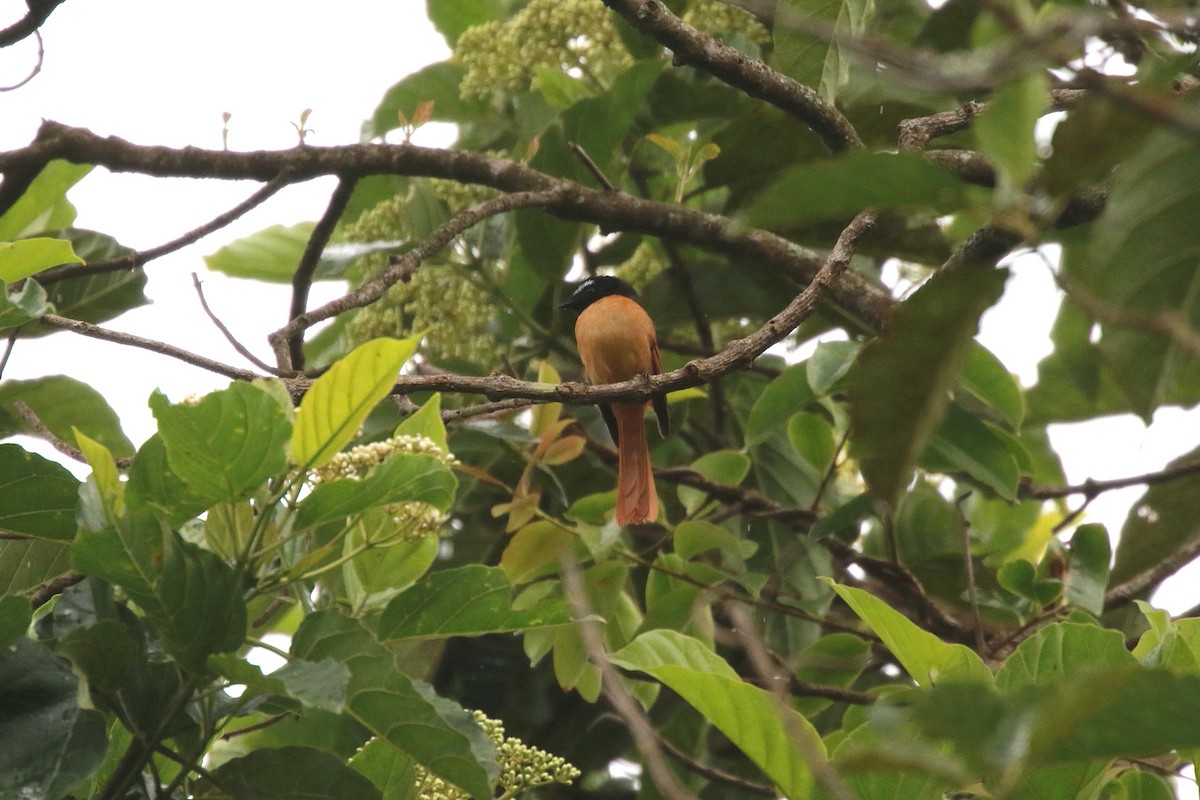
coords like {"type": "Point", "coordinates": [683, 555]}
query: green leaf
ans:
{"type": "Point", "coordinates": [987, 380]}
{"type": "Point", "coordinates": [392, 772]}
{"type": "Point", "coordinates": [782, 398]}
{"type": "Point", "coordinates": [726, 467]}
{"type": "Point", "coordinates": [228, 444]}
{"type": "Point", "coordinates": [812, 438]}
{"type": "Point", "coordinates": [63, 403]}
{"type": "Point", "coordinates": [401, 478]}
{"type": "Point", "coordinates": [850, 183]}
{"type": "Point", "coordinates": [1087, 568]}
{"type": "Point", "coordinates": [48, 744]}
{"type": "Point", "coordinates": [820, 61]}
{"type": "Point", "coordinates": [94, 297]}
{"type": "Point", "coordinates": [287, 773]}
{"type": "Point", "coordinates": [751, 718]}
{"type": "Point", "coordinates": [316, 684]}
{"type": "Point", "coordinates": [468, 601]}
{"type": "Point", "coordinates": [26, 305]}
{"type": "Point", "coordinates": [338, 402]}
{"type": "Point", "coordinates": [833, 660]}
{"type": "Point", "coordinates": [15, 616]}
{"type": "Point", "coordinates": [1064, 648]}
{"type": "Point", "coordinates": [104, 475]}
{"type": "Point", "coordinates": [1164, 519]}
{"type": "Point", "coordinates": [270, 255]}
{"type": "Point", "coordinates": [452, 17]}
{"type": "Point", "coordinates": [1005, 131]}
{"type": "Point", "coordinates": [1097, 133]}
{"type": "Point", "coordinates": [37, 496]}
{"type": "Point", "coordinates": [202, 603]}
{"type": "Point", "coordinates": [426, 421]}
{"type": "Point", "coordinates": [27, 257]}
{"type": "Point", "coordinates": [435, 732]}
{"type": "Point", "coordinates": [436, 82]}
{"type": "Point", "coordinates": [129, 556]}
{"type": "Point", "coordinates": [926, 658]}
{"type": "Point", "coordinates": [535, 550]}
{"type": "Point", "coordinates": [1145, 260]}
{"type": "Point", "coordinates": [965, 443]}
{"type": "Point", "coordinates": [828, 364]}
{"type": "Point", "coordinates": [43, 205]}
{"type": "Point", "coordinates": [154, 484]}
{"type": "Point", "coordinates": [27, 563]}
{"type": "Point", "coordinates": [919, 358]}
{"type": "Point", "coordinates": [376, 575]}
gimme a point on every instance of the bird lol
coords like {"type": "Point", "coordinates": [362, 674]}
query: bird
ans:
{"type": "Point", "coordinates": [616, 342]}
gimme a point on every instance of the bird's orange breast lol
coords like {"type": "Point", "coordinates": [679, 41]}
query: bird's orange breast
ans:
{"type": "Point", "coordinates": [615, 338]}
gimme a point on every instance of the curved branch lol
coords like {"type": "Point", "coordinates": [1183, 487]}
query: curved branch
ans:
{"type": "Point", "coordinates": [697, 49]}
{"type": "Point", "coordinates": [855, 295]}
{"type": "Point", "coordinates": [39, 12]}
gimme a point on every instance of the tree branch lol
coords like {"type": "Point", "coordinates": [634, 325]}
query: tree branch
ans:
{"type": "Point", "coordinates": [694, 48]}
{"type": "Point", "coordinates": [302, 278]}
{"type": "Point", "coordinates": [162, 348]}
{"type": "Point", "coordinates": [854, 294]}
{"type": "Point", "coordinates": [39, 12]}
{"type": "Point", "coordinates": [1093, 488]}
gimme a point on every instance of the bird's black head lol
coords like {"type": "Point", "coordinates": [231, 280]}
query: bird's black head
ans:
{"type": "Point", "coordinates": [592, 289]}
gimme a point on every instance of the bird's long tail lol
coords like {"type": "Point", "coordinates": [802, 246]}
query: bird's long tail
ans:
{"type": "Point", "coordinates": [637, 500]}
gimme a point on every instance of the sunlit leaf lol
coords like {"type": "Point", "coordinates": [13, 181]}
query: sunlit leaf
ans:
{"type": "Point", "coordinates": [43, 206]}
{"type": "Point", "coordinates": [30, 256]}
{"type": "Point", "coordinates": [339, 401]}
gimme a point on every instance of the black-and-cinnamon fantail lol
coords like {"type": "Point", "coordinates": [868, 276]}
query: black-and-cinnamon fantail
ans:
{"type": "Point", "coordinates": [616, 343]}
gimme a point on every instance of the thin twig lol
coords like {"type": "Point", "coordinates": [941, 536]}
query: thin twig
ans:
{"type": "Point", "coordinates": [162, 348]}
{"type": "Point", "coordinates": [1093, 488]}
{"type": "Point", "coordinates": [303, 277]}
{"type": "Point", "coordinates": [714, 774]}
{"type": "Point", "coordinates": [640, 728]}
{"type": "Point", "coordinates": [37, 66]}
{"type": "Point", "coordinates": [138, 259]}
{"type": "Point", "coordinates": [8, 348]}
{"type": "Point", "coordinates": [229, 337]}
{"type": "Point", "coordinates": [1144, 581]}
{"type": "Point", "coordinates": [591, 166]}
{"type": "Point", "coordinates": [41, 431]}
{"type": "Point", "coordinates": [969, 569]}
{"type": "Point", "coordinates": [54, 586]}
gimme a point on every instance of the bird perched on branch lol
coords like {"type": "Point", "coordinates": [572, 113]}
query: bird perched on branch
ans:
{"type": "Point", "coordinates": [616, 342]}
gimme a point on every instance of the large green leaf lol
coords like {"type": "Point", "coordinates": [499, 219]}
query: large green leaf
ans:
{"type": "Point", "coordinates": [1005, 132]}
{"type": "Point", "coordinates": [226, 445]}
{"type": "Point", "coordinates": [1063, 648]}
{"type": "Point", "coordinates": [392, 772]}
{"type": "Point", "coordinates": [153, 483]}
{"type": "Point", "coordinates": [965, 443]}
{"type": "Point", "coordinates": [27, 563]}
{"type": "Point", "coordinates": [452, 17]}
{"type": "Point", "coordinates": [15, 616]}
{"type": "Point", "coordinates": [783, 397]}
{"type": "Point", "coordinates": [436, 82]}
{"type": "Point", "coordinates": [43, 205]}
{"type": "Point", "coordinates": [849, 184]}
{"type": "Point", "coordinates": [48, 744]}
{"type": "Point", "coordinates": [94, 297]}
{"type": "Point", "coordinates": [900, 385]}
{"type": "Point", "coordinates": [435, 732]}
{"type": "Point", "coordinates": [927, 659]}
{"type": "Point", "coordinates": [271, 255]}
{"type": "Point", "coordinates": [287, 773]}
{"type": "Point", "coordinates": [63, 403]}
{"type": "Point", "coordinates": [316, 684]}
{"type": "Point", "coordinates": [202, 603]}
{"type": "Point", "coordinates": [820, 61]}
{"type": "Point", "coordinates": [753, 719]}
{"type": "Point", "coordinates": [1164, 519]}
{"type": "Point", "coordinates": [468, 601]}
{"type": "Point", "coordinates": [27, 257]}
{"type": "Point", "coordinates": [339, 401]}
{"type": "Point", "coordinates": [1146, 262]}
{"type": "Point", "coordinates": [403, 477]}
{"type": "Point", "coordinates": [129, 556]}
{"type": "Point", "coordinates": [37, 496]}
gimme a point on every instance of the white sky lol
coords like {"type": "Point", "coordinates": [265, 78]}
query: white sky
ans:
{"type": "Point", "coordinates": [162, 72]}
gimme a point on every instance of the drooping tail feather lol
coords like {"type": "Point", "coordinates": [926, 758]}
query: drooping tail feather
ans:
{"type": "Point", "coordinates": [637, 500]}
